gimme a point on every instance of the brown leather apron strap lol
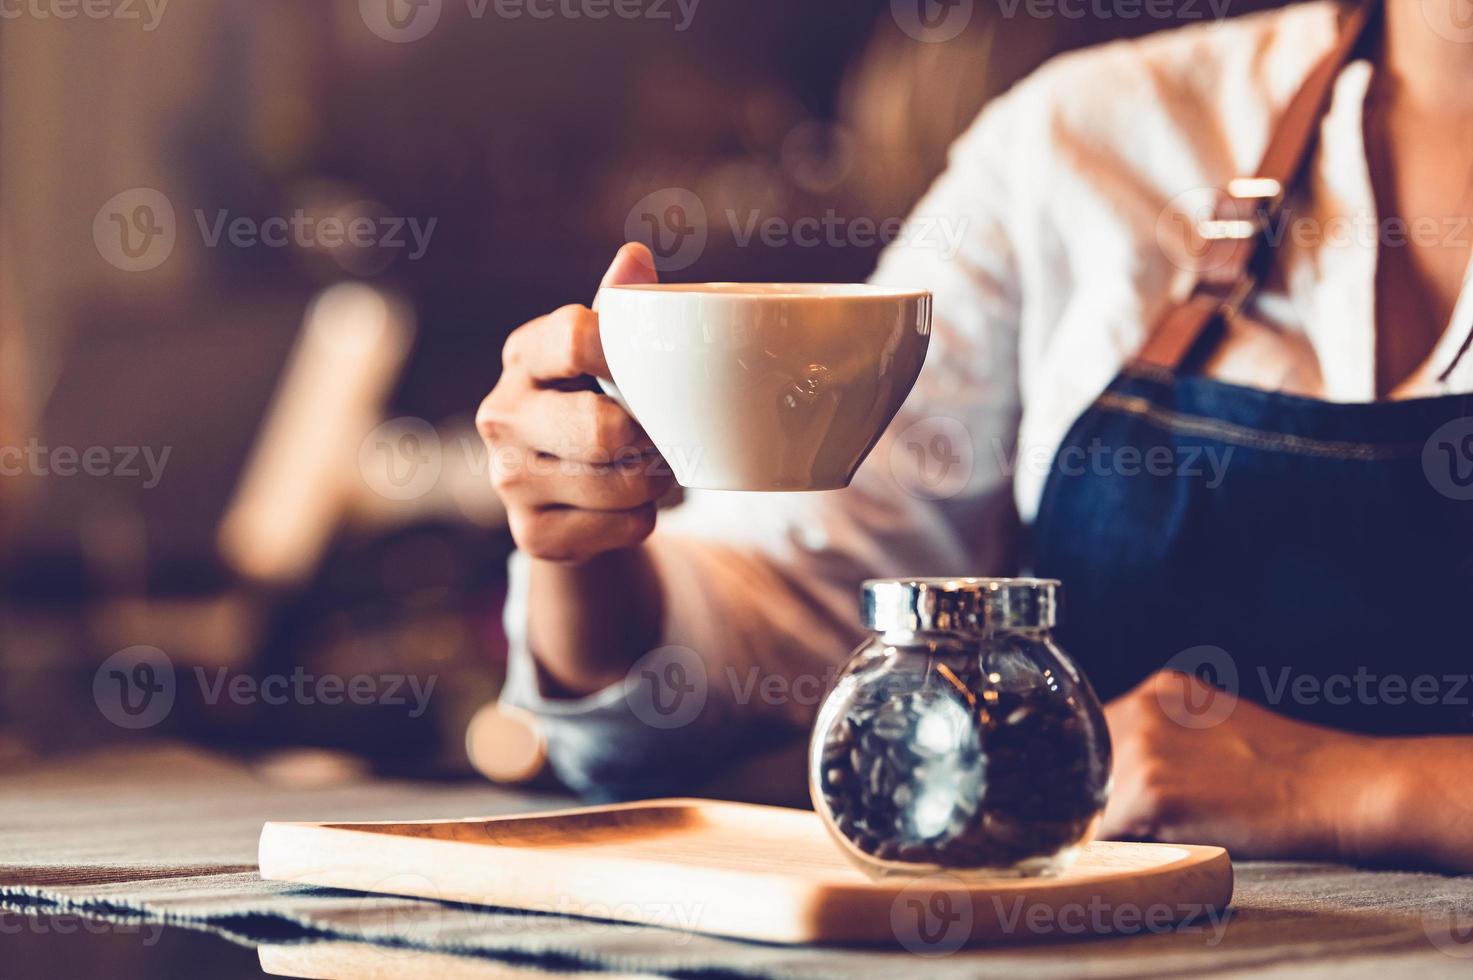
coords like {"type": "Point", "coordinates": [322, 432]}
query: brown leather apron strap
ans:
{"type": "Point", "coordinates": [1238, 250]}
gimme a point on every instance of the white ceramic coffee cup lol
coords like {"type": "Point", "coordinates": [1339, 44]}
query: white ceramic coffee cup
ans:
{"type": "Point", "coordinates": [763, 386]}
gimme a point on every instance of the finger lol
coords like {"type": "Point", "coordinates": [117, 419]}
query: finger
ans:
{"type": "Point", "coordinates": [562, 345]}
{"type": "Point", "coordinates": [539, 480]}
{"type": "Point", "coordinates": [582, 426]}
{"type": "Point", "coordinates": [1120, 821]}
{"type": "Point", "coordinates": [1127, 818]}
{"type": "Point", "coordinates": [566, 535]}
{"type": "Point", "coordinates": [633, 265]}
{"type": "Point", "coordinates": [1138, 800]}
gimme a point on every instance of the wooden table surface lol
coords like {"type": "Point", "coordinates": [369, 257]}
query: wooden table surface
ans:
{"type": "Point", "coordinates": [136, 837]}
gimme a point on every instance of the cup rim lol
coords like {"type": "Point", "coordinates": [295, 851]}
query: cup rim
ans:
{"type": "Point", "coordinates": [783, 291]}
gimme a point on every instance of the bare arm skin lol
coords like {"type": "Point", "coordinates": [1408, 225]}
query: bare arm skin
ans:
{"type": "Point", "coordinates": [1266, 786]}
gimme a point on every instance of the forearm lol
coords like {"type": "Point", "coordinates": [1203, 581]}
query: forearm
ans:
{"type": "Point", "coordinates": [746, 637]}
{"type": "Point", "coordinates": [589, 622]}
{"type": "Point", "coordinates": [1416, 806]}
{"type": "Point", "coordinates": [739, 612]}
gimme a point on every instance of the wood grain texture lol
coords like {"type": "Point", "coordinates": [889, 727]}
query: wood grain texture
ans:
{"type": "Point", "coordinates": [751, 872]}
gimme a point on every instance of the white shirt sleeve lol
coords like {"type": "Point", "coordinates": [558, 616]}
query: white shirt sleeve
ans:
{"type": "Point", "coordinates": [762, 589]}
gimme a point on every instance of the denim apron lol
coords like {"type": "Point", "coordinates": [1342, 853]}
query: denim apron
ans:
{"type": "Point", "coordinates": [1315, 557]}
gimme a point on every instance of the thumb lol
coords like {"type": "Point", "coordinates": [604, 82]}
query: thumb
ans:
{"type": "Point", "coordinates": [634, 265]}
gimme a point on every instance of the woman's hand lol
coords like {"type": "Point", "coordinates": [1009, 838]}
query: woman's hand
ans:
{"type": "Point", "coordinates": [580, 480]}
{"type": "Point", "coordinates": [577, 474]}
{"type": "Point", "coordinates": [1255, 782]}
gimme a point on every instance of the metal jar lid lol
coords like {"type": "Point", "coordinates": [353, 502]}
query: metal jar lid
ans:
{"type": "Point", "coordinates": [958, 604]}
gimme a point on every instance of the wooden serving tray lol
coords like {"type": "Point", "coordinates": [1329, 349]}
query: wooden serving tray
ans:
{"type": "Point", "coordinates": [751, 872]}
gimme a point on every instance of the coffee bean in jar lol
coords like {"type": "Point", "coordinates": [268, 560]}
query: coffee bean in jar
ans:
{"type": "Point", "coordinates": [960, 738]}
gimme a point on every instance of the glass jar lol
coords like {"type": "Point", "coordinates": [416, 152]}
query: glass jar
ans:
{"type": "Point", "coordinates": [960, 738]}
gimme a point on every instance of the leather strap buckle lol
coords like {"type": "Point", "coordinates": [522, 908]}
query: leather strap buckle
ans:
{"type": "Point", "coordinates": [1246, 209]}
{"type": "Point", "coordinates": [1229, 269]}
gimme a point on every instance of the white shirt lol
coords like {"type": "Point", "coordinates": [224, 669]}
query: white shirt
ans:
{"type": "Point", "coordinates": [1066, 190]}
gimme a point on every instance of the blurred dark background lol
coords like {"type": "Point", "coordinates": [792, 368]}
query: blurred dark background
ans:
{"type": "Point", "coordinates": [322, 502]}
